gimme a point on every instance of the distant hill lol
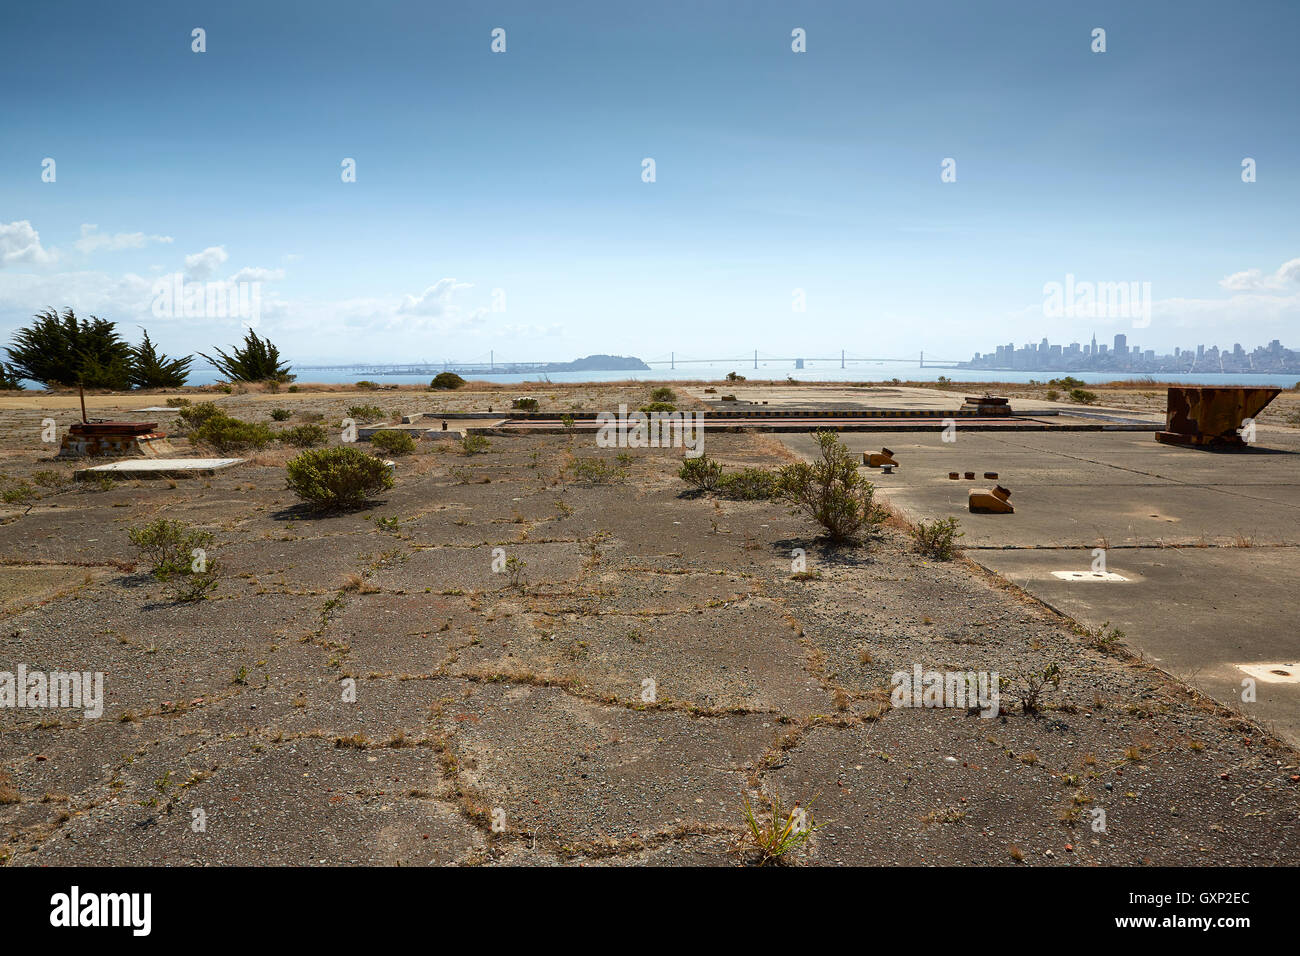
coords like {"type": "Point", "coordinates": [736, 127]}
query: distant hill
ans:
{"type": "Point", "coordinates": [599, 363]}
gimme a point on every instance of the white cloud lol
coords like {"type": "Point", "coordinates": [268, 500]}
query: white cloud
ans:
{"type": "Point", "coordinates": [92, 240]}
{"type": "Point", "coordinates": [357, 327]}
{"type": "Point", "coordinates": [20, 244]}
{"type": "Point", "coordinates": [203, 264]}
{"type": "Point", "coordinates": [435, 300]}
{"type": "Point", "coordinates": [257, 274]}
{"type": "Point", "coordinates": [1256, 280]}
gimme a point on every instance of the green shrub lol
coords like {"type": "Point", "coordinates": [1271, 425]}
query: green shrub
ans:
{"type": "Point", "coordinates": [293, 388]}
{"type": "Point", "coordinates": [524, 404]}
{"type": "Point", "coordinates": [937, 538]}
{"type": "Point", "coordinates": [337, 478]}
{"type": "Point", "coordinates": [365, 413]}
{"type": "Point", "coordinates": [594, 471]}
{"type": "Point", "coordinates": [393, 441]}
{"type": "Point", "coordinates": [1068, 383]}
{"type": "Point", "coordinates": [18, 493]}
{"type": "Point", "coordinates": [702, 472]}
{"type": "Point", "coordinates": [445, 381]}
{"type": "Point", "coordinates": [659, 407]}
{"type": "Point", "coordinates": [178, 557]}
{"type": "Point", "coordinates": [748, 484]}
{"type": "Point", "coordinates": [831, 492]}
{"type": "Point", "coordinates": [663, 394]}
{"type": "Point", "coordinates": [733, 377]}
{"type": "Point", "coordinates": [304, 436]}
{"type": "Point", "coordinates": [227, 434]}
{"type": "Point", "coordinates": [281, 414]}
{"type": "Point", "coordinates": [192, 416]}
{"type": "Point", "coordinates": [1082, 396]}
{"type": "Point", "coordinates": [178, 402]}
{"type": "Point", "coordinates": [474, 444]}
{"type": "Point", "coordinates": [1053, 395]}
{"type": "Point", "coordinates": [367, 386]}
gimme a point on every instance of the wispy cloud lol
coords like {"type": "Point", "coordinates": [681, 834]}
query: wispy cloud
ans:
{"type": "Point", "coordinates": [92, 240]}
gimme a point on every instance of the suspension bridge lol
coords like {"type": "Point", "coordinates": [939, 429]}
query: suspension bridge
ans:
{"type": "Point", "coordinates": [490, 365]}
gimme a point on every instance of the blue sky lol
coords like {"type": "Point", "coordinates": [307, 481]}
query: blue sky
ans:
{"type": "Point", "coordinates": [775, 171]}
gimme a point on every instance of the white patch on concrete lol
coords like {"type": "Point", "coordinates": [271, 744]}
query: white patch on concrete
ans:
{"type": "Point", "coordinates": [1273, 673]}
{"type": "Point", "coordinates": [1088, 576]}
{"type": "Point", "coordinates": [162, 467]}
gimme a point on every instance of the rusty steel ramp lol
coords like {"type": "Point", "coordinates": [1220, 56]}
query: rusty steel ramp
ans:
{"type": "Point", "coordinates": [1213, 417]}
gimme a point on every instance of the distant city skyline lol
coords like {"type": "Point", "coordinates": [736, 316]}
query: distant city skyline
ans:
{"type": "Point", "coordinates": [1119, 355]}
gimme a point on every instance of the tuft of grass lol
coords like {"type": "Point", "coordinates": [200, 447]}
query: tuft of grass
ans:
{"type": "Point", "coordinates": [937, 539]}
{"type": "Point", "coordinates": [8, 792]}
{"type": "Point", "coordinates": [474, 444]}
{"type": "Point", "coordinates": [780, 834]}
{"type": "Point", "coordinates": [1104, 639]}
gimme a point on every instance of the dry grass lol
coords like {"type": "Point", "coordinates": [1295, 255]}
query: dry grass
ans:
{"type": "Point", "coordinates": [8, 792]}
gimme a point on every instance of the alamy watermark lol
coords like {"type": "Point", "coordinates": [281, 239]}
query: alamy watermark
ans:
{"type": "Point", "coordinates": [651, 430]}
{"type": "Point", "coordinates": [1073, 299]}
{"type": "Point", "coordinates": [56, 689]}
{"type": "Point", "coordinates": [962, 690]}
{"type": "Point", "coordinates": [174, 298]}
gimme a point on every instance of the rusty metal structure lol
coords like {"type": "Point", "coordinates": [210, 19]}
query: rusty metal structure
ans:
{"type": "Point", "coordinates": [873, 460]}
{"type": "Point", "coordinates": [1212, 417]}
{"type": "Point", "coordinates": [987, 405]}
{"type": "Point", "coordinates": [102, 439]}
{"type": "Point", "coordinates": [990, 502]}
{"type": "Point", "coordinates": [99, 438]}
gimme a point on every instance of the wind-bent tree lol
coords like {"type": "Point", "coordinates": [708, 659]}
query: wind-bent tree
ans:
{"type": "Point", "coordinates": [65, 350]}
{"type": "Point", "coordinates": [10, 380]}
{"type": "Point", "coordinates": [152, 369]}
{"type": "Point", "coordinates": [257, 361]}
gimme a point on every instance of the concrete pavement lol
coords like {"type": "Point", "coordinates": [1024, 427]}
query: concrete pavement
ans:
{"type": "Point", "coordinates": [1208, 544]}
